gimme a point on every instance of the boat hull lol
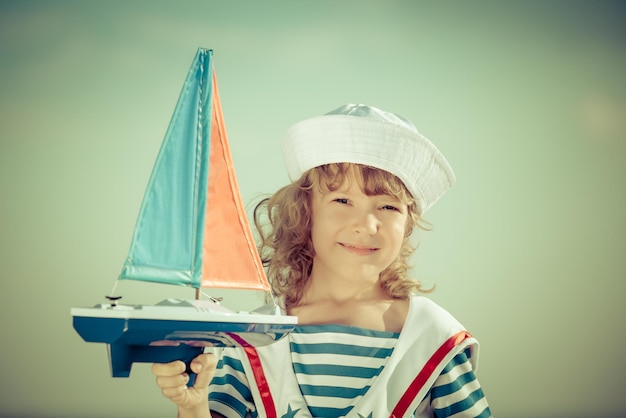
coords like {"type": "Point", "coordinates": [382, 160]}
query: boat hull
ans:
{"type": "Point", "coordinates": [156, 334]}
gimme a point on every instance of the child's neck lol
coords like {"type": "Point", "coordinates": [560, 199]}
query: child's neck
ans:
{"type": "Point", "coordinates": [366, 307]}
{"type": "Point", "coordinates": [323, 285]}
{"type": "Point", "coordinates": [338, 293]}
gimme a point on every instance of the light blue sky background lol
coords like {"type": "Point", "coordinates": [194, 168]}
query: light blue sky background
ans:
{"type": "Point", "coordinates": [526, 99]}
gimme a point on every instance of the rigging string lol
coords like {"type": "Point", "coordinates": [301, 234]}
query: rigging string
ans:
{"type": "Point", "coordinates": [114, 287]}
{"type": "Point", "coordinates": [112, 298]}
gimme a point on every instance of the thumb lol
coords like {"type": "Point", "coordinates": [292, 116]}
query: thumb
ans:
{"type": "Point", "coordinates": [204, 366]}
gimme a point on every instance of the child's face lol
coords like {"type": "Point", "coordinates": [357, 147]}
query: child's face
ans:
{"type": "Point", "coordinates": [355, 236]}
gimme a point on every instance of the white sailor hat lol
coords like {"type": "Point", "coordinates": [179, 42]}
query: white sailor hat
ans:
{"type": "Point", "coordinates": [361, 134]}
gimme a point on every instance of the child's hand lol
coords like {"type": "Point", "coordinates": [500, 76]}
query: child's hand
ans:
{"type": "Point", "coordinates": [172, 379]}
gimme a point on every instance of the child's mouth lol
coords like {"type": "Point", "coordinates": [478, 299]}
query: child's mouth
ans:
{"type": "Point", "coordinates": [358, 250]}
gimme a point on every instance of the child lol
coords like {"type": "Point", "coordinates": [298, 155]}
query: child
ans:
{"type": "Point", "coordinates": [336, 246]}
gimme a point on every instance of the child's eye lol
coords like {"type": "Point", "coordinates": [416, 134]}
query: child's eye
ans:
{"type": "Point", "coordinates": [341, 200]}
{"type": "Point", "coordinates": [390, 207]}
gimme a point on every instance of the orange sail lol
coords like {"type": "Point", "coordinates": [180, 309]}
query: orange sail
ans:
{"type": "Point", "coordinates": [230, 258]}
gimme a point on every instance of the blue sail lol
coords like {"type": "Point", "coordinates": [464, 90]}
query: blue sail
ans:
{"type": "Point", "coordinates": [168, 237]}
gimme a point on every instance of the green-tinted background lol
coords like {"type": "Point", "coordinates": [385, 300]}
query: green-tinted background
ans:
{"type": "Point", "coordinates": [526, 99]}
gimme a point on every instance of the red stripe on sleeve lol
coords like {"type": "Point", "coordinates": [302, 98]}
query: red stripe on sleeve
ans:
{"type": "Point", "coordinates": [424, 374]}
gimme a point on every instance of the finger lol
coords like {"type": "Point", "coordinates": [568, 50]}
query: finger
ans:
{"type": "Point", "coordinates": [178, 381]}
{"type": "Point", "coordinates": [168, 369]}
{"type": "Point", "coordinates": [176, 394]}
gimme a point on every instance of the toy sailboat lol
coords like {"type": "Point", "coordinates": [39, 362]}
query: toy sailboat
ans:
{"type": "Point", "coordinates": [192, 231]}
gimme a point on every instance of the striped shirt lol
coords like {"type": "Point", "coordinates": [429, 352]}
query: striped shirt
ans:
{"type": "Point", "coordinates": [335, 365]}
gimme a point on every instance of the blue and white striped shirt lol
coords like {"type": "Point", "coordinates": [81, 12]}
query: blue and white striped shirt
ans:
{"type": "Point", "coordinates": [335, 365]}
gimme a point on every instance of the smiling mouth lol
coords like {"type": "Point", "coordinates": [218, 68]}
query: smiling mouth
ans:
{"type": "Point", "coordinates": [358, 250]}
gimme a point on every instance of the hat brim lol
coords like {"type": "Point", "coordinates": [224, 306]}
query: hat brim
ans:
{"type": "Point", "coordinates": [343, 138]}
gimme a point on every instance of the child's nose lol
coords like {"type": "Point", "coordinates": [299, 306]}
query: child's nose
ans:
{"type": "Point", "coordinates": [366, 223]}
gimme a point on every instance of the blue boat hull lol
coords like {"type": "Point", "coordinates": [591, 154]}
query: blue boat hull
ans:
{"type": "Point", "coordinates": [133, 340]}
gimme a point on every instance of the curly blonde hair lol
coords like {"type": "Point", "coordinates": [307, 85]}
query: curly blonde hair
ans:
{"type": "Point", "coordinates": [283, 222]}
